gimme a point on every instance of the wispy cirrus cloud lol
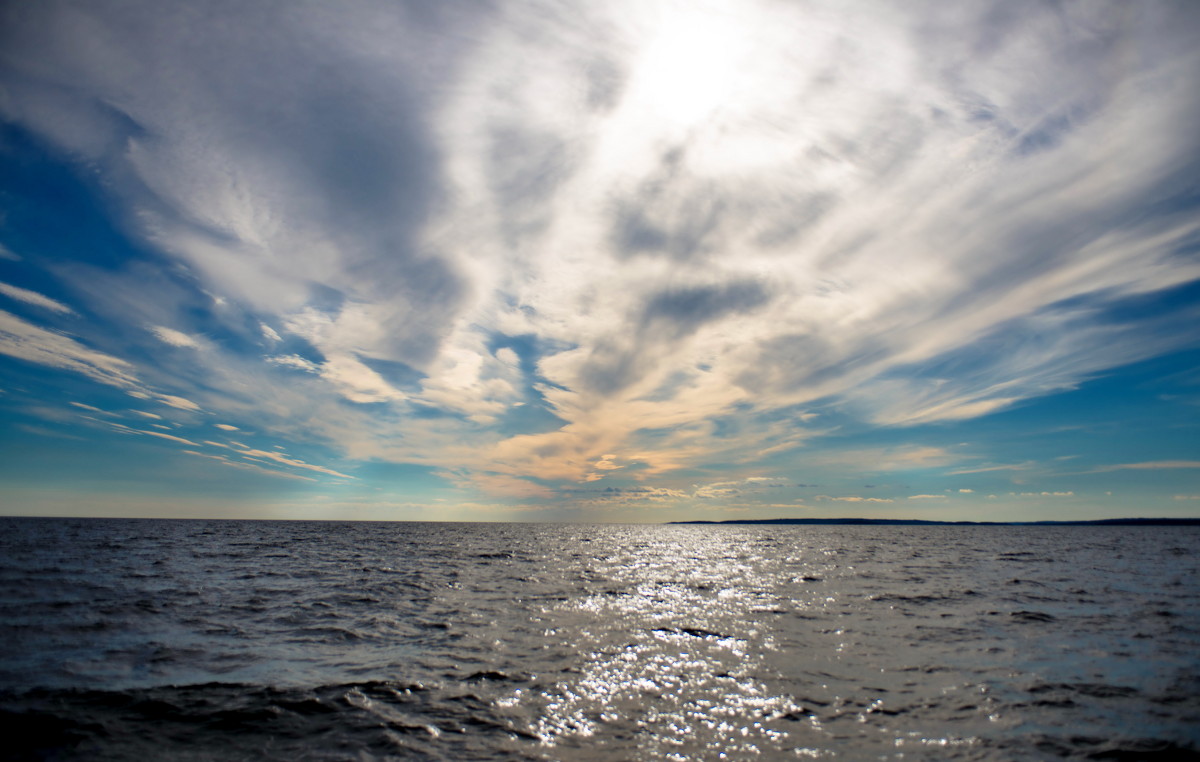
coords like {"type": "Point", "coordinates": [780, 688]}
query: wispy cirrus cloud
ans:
{"type": "Point", "coordinates": [26, 341]}
{"type": "Point", "coordinates": [1153, 465]}
{"type": "Point", "coordinates": [278, 457]}
{"type": "Point", "coordinates": [749, 485]}
{"type": "Point", "coordinates": [168, 437]}
{"type": "Point", "coordinates": [225, 461]}
{"type": "Point", "coordinates": [853, 499]}
{"type": "Point", "coordinates": [1067, 493]}
{"type": "Point", "coordinates": [992, 469]}
{"type": "Point", "coordinates": [173, 337]}
{"type": "Point", "coordinates": [170, 400]}
{"type": "Point", "coordinates": [34, 298]}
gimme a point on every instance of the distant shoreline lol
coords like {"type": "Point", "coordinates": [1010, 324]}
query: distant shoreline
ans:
{"type": "Point", "coordinates": [922, 522]}
{"type": "Point", "coordinates": [845, 521]}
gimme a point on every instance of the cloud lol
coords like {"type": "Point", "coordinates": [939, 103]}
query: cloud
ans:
{"type": "Point", "coordinates": [989, 469]}
{"type": "Point", "coordinates": [30, 343]}
{"type": "Point", "coordinates": [42, 431]}
{"type": "Point", "coordinates": [500, 485]}
{"type": "Point", "coordinates": [170, 437]}
{"type": "Point", "coordinates": [926, 497]}
{"type": "Point", "coordinates": [1154, 465]}
{"type": "Point", "coordinates": [685, 310]}
{"type": "Point", "coordinates": [34, 298]}
{"type": "Point", "coordinates": [661, 230]}
{"type": "Point", "coordinates": [180, 403]}
{"type": "Point", "coordinates": [854, 499]}
{"type": "Point", "coordinates": [294, 361]}
{"type": "Point", "coordinates": [749, 485]}
{"type": "Point", "coordinates": [7, 253]}
{"type": "Point", "coordinates": [1047, 494]}
{"type": "Point", "coordinates": [608, 497]}
{"type": "Point", "coordinates": [247, 452]}
{"type": "Point", "coordinates": [357, 382]}
{"type": "Point", "coordinates": [173, 337]}
{"type": "Point", "coordinates": [249, 466]}
{"type": "Point", "coordinates": [899, 458]}
{"type": "Point", "coordinates": [91, 409]}
{"type": "Point", "coordinates": [225, 427]}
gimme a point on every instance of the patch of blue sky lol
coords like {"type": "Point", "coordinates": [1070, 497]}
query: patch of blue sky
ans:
{"type": "Point", "coordinates": [399, 374]}
{"type": "Point", "coordinates": [532, 417]}
{"type": "Point", "coordinates": [529, 349]}
{"type": "Point", "coordinates": [55, 210]}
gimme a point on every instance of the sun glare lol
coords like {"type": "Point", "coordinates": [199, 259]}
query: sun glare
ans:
{"type": "Point", "coordinates": [690, 68]}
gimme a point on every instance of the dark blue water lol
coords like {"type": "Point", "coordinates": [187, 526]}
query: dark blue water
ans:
{"type": "Point", "coordinates": [217, 640]}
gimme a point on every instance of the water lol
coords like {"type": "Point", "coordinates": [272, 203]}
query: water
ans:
{"type": "Point", "coordinates": [217, 640]}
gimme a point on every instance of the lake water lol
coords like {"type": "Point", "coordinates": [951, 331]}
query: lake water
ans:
{"type": "Point", "coordinates": [221, 640]}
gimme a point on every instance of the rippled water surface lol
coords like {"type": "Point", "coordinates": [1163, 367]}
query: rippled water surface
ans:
{"type": "Point", "coordinates": [197, 640]}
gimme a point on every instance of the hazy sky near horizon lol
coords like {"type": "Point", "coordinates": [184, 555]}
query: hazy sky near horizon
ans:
{"type": "Point", "coordinates": [641, 260]}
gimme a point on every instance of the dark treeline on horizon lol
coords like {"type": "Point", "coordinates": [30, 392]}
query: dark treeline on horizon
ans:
{"type": "Point", "coordinates": [923, 522]}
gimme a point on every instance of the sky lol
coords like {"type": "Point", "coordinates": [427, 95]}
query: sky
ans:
{"type": "Point", "coordinates": [644, 260]}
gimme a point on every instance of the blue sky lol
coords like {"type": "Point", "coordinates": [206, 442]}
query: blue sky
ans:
{"type": "Point", "coordinates": [621, 261]}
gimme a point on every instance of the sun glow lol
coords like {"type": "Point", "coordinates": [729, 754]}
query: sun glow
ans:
{"type": "Point", "coordinates": [690, 68]}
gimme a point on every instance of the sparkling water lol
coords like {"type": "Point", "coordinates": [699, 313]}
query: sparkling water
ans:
{"type": "Point", "coordinates": [216, 640]}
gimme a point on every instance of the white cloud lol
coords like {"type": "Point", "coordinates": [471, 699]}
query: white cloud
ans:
{"type": "Point", "coordinates": [91, 409]}
{"type": "Point", "coordinates": [34, 298]}
{"type": "Point", "coordinates": [247, 452]}
{"type": "Point", "coordinates": [173, 337]}
{"type": "Point", "coordinates": [726, 489]}
{"type": "Point", "coordinates": [249, 466]}
{"type": "Point", "coordinates": [1047, 494]}
{"type": "Point", "coordinates": [225, 427]}
{"type": "Point", "coordinates": [902, 268]}
{"type": "Point", "coordinates": [269, 333]}
{"type": "Point", "coordinates": [988, 469]}
{"type": "Point", "coordinates": [357, 382]}
{"type": "Point", "coordinates": [30, 343]}
{"type": "Point", "coordinates": [926, 497]}
{"type": "Point", "coordinates": [900, 458]}
{"type": "Point", "coordinates": [854, 499]}
{"type": "Point", "coordinates": [629, 496]}
{"type": "Point", "coordinates": [294, 361]}
{"type": "Point", "coordinates": [1154, 465]}
{"type": "Point", "coordinates": [348, 375]}
{"type": "Point", "coordinates": [181, 403]}
{"type": "Point", "coordinates": [7, 253]}
{"type": "Point", "coordinates": [170, 437]}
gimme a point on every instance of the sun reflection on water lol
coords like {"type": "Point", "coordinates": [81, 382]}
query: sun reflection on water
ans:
{"type": "Point", "coordinates": [671, 647]}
